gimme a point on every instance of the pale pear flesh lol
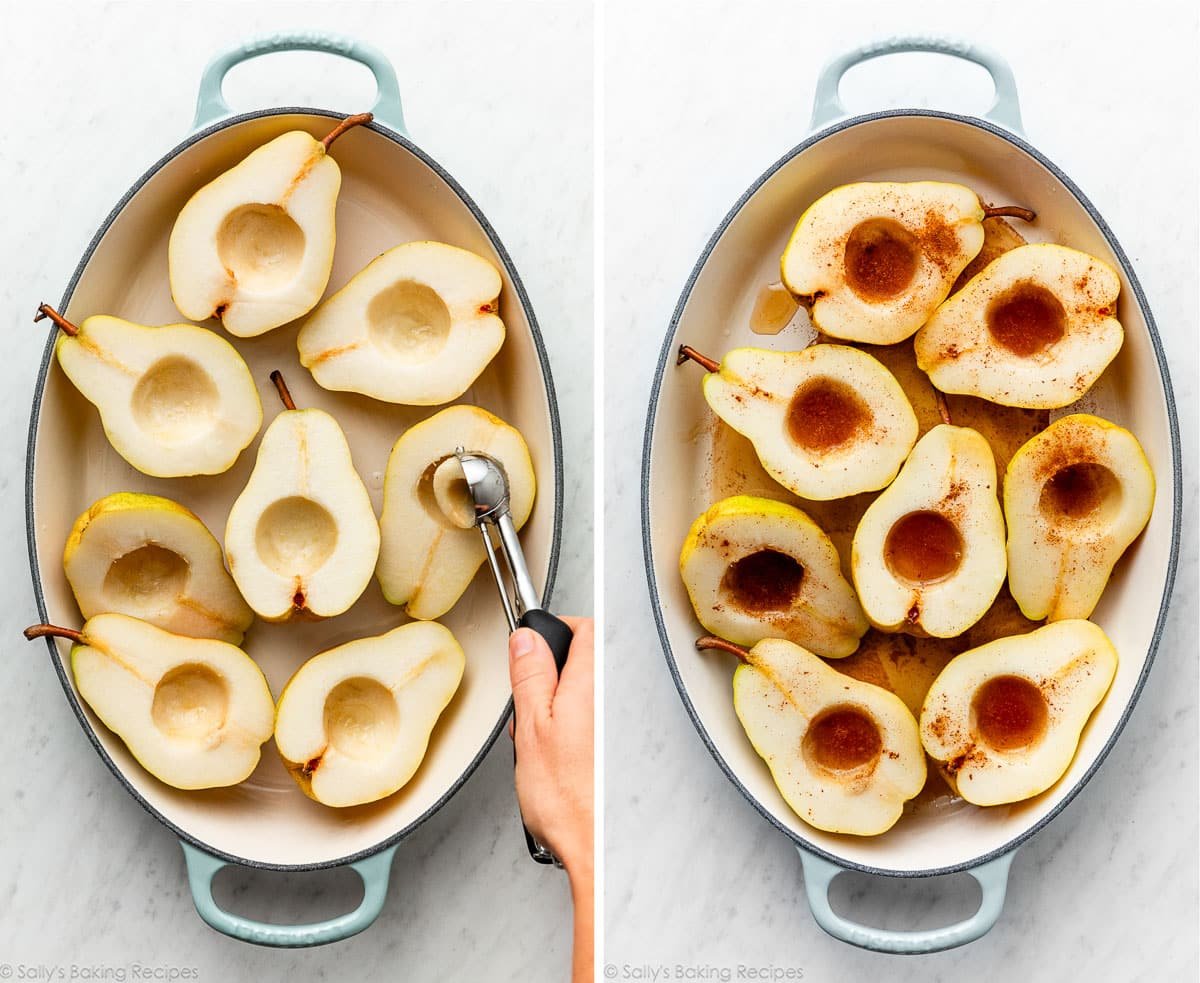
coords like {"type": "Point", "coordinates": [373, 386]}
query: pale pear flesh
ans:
{"type": "Point", "coordinates": [416, 326]}
{"type": "Point", "coordinates": [1075, 497]}
{"type": "Point", "coordinates": [193, 712]}
{"type": "Point", "coordinates": [803, 718]}
{"type": "Point", "coordinates": [949, 485]}
{"type": "Point", "coordinates": [1035, 328]}
{"type": "Point", "coordinates": [302, 539]}
{"type": "Point", "coordinates": [826, 422]}
{"type": "Point", "coordinates": [353, 724]}
{"type": "Point", "coordinates": [174, 401]}
{"type": "Point", "coordinates": [756, 569]}
{"type": "Point", "coordinates": [427, 559]}
{"type": "Point", "coordinates": [1021, 744]}
{"type": "Point", "coordinates": [153, 559]}
{"type": "Point", "coordinates": [908, 243]}
{"type": "Point", "coordinates": [254, 247]}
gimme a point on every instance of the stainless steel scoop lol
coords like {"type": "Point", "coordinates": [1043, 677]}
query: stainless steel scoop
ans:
{"type": "Point", "coordinates": [487, 485]}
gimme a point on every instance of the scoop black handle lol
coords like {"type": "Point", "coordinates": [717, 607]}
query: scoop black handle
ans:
{"type": "Point", "coordinates": [558, 637]}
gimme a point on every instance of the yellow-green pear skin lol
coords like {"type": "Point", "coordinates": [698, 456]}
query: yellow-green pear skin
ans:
{"type": "Point", "coordinates": [254, 247]}
{"type": "Point", "coordinates": [928, 554]}
{"type": "Point", "coordinates": [756, 568]}
{"type": "Point", "coordinates": [194, 712]}
{"type": "Point", "coordinates": [826, 422]}
{"type": "Point", "coordinates": [302, 538]}
{"type": "Point", "coordinates": [1005, 718]}
{"type": "Point", "coordinates": [846, 755]}
{"type": "Point", "coordinates": [416, 326]}
{"type": "Point", "coordinates": [175, 400]}
{"type": "Point", "coordinates": [873, 260]}
{"type": "Point", "coordinates": [1035, 328]}
{"type": "Point", "coordinates": [429, 554]}
{"type": "Point", "coordinates": [353, 724]}
{"type": "Point", "coordinates": [1075, 497]}
{"type": "Point", "coordinates": [151, 558]}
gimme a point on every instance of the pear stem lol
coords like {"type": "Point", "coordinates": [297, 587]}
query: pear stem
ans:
{"type": "Point", "coordinates": [285, 394]}
{"type": "Point", "coordinates": [65, 326]}
{"type": "Point", "coordinates": [347, 124]}
{"type": "Point", "coordinates": [712, 642]}
{"type": "Point", "coordinates": [41, 631]}
{"type": "Point", "coordinates": [1009, 211]}
{"type": "Point", "coordinates": [943, 407]}
{"type": "Point", "coordinates": [687, 351]}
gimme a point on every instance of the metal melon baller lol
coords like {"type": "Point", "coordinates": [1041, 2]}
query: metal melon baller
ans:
{"type": "Point", "coordinates": [487, 487]}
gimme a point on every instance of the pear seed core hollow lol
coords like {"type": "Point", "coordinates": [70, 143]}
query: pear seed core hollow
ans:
{"type": "Point", "coordinates": [1026, 319]}
{"type": "Point", "coordinates": [826, 413]}
{"type": "Point", "coordinates": [1009, 713]}
{"type": "Point", "coordinates": [410, 320]}
{"type": "Point", "coordinates": [175, 401]}
{"type": "Point", "coordinates": [190, 702]}
{"type": "Point", "coordinates": [452, 495]}
{"type": "Point", "coordinates": [843, 738]}
{"type": "Point", "coordinates": [146, 579]}
{"type": "Point", "coordinates": [361, 718]}
{"type": "Point", "coordinates": [261, 245]}
{"type": "Point", "coordinates": [295, 536]}
{"type": "Point", "coordinates": [766, 580]}
{"type": "Point", "coordinates": [1078, 491]}
{"type": "Point", "coordinates": [881, 259]}
{"type": "Point", "coordinates": [923, 547]}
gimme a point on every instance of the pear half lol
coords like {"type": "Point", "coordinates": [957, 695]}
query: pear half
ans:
{"type": "Point", "coordinates": [928, 554]}
{"type": "Point", "coordinates": [174, 401]}
{"type": "Point", "coordinates": [416, 326]}
{"type": "Point", "coordinates": [1035, 328]}
{"type": "Point", "coordinates": [195, 712]}
{"type": "Point", "coordinates": [873, 260]}
{"type": "Point", "coordinates": [430, 553]}
{"type": "Point", "coordinates": [302, 538]}
{"type": "Point", "coordinates": [826, 422]}
{"type": "Point", "coordinates": [846, 755]}
{"type": "Point", "coordinates": [756, 568]}
{"type": "Point", "coordinates": [1075, 497]}
{"type": "Point", "coordinates": [353, 723]}
{"type": "Point", "coordinates": [254, 246]}
{"type": "Point", "coordinates": [1006, 717]}
{"type": "Point", "coordinates": [151, 558]}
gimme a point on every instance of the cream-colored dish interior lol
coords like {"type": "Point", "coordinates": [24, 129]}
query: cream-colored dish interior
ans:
{"type": "Point", "coordinates": [388, 196]}
{"type": "Point", "coordinates": [716, 318]}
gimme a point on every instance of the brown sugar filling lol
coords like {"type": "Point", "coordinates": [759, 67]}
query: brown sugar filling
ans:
{"type": "Point", "coordinates": [842, 739]}
{"type": "Point", "coordinates": [881, 259]}
{"type": "Point", "coordinates": [826, 413]}
{"type": "Point", "coordinates": [1009, 713]}
{"type": "Point", "coordinates": [1026, 319]}
{"type": "Point", "coordinates": [1078, 490]}
{"type": "Point", "coordinates": [767, 580]}
{"type": "Point", "coordinates": [923, 547]}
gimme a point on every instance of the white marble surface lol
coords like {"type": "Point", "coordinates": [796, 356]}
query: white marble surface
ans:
{"type": "Point", "coordinates": [501, 95]}
{"type": "Point", "coordinates": [698, 104]}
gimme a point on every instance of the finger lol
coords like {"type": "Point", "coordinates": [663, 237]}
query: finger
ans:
{"type": "Point", "coordinates": [534, 675]}
{"type": "Point", "coordinates": [510, 728]}
{"type": "Point", "coordinates": [581, 655]}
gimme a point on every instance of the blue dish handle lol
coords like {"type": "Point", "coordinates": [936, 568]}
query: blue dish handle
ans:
{"type": "Point", "coordinates": [993, 882]}
{"type": "Point", "coordinates": [1006, 110]}
{"type": "Point", "coordinates": [374, 871]}
{"type": "Point", "coordinates": [211, 105]}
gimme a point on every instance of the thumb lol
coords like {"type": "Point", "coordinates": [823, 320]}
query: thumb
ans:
{"type": "Point", "coordinates": [534, 675]}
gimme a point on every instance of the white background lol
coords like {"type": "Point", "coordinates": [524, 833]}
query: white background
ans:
{"type": "Point", "coordinates": [699, 101]}
{"type": "Point", "coordinates": [96, 93]}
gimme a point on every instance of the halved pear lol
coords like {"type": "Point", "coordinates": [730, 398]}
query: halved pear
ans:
{"type": "Point", "coordinates": [195, 712]}
{"type": "Point", "coordinates": [254, 246]}
{"type": "Point", "coordinates": [873, 260]}
{"type": "Point", "coordinates": [353, 723]}
{"type": "Point", "coordinates": [846, 755]}
{"type": "Point", "coordinates": [1034, 329]}
{"type": "Point", "coordinates": [1075, 496]}
{"type": "Point", "coordinates": [175, 400]}
{"type": "Point", "coordinates": [153, 559]}
{"type": "Point", "coordinates": [430, 553]}
{"type": "Point", "coordinates": [826, 422]}
{"type": "Point", "coordinates": [302, 539]}
{"type": "Point", "coordinates": [416, 326]}
{"type": "Point", "coordinates": [928, 555]}
{"type": "Point", "coordinates": [756, 568]}
{"type": "Point", "coordinates": [1005, 718]}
